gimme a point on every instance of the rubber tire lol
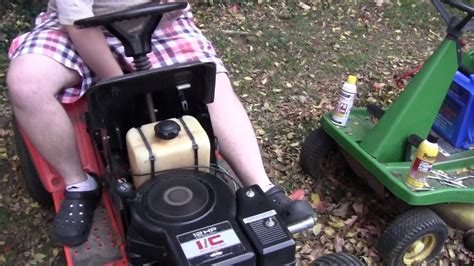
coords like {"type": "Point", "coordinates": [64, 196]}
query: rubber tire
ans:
{"type": "Point", "coordinates": [336, 259]}
{"type": "Point", "coordinates": [33, 183]}
{"type": "Point", "coordinates": [406, 229]}
{"type": "Point", "coordinates": [468, 240]}
{"type": "Point", "coordinates": [316, 147]}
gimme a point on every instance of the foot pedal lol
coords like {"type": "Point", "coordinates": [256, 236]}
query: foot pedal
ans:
{"type": "Point", "coordinates": [104, 244]}
{"type": "Point", "coordinates": [271, 239]}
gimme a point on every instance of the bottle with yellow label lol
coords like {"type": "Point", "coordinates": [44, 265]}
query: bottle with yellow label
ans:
{"type": "Point", "coordinates": [423, 163]}
{"type": "Point", "coordinates": [346, 100]}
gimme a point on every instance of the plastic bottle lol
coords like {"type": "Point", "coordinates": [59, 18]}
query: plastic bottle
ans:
{"type": "Point", "coordinates": [346, 100]}
{"type": "Point", "coordinates": [423, 163]}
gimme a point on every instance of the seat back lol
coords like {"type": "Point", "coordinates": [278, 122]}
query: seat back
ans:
{"type": "Point", "coordinates": [119, 104]}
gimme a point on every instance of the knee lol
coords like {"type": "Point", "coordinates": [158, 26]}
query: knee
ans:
{"type": "Point", "coordinates": [20, 87]}
{"type": "Point", "coordinates": [25, 86]}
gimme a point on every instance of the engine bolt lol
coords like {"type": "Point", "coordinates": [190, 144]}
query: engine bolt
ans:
{"type": "Point", "coordinates": [250, 193]}
{"type": "Point", "coordinates": [270, 222]}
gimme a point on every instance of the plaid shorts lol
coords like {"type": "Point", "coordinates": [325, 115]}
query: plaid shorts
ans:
{"type": "Point", "coordinates": [178, 42]}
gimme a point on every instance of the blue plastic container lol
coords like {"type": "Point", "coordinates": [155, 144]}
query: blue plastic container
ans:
{"type": "Point", "coordinates": [455, 120]}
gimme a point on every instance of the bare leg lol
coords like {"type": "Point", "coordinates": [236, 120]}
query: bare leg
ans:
{"type": "Point", "coordinates": [33, 81]}
{"type": "Point", "coordinates": [235, 134]}
{"type": "Point", "coordinates": [240, 148]}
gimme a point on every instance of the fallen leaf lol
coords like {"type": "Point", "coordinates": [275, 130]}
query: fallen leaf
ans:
{"type": "Point", "coordinates": [3, 132]}
{"type": "Point", "coordinates": [358, 207]}
{"type": "Point", "coordinates": [39, 257]}
{"type": "Point", "coordinates": [234, 8]}
{"type": "Point", "coordinates": [315, 200]}
{"type": "Point", "coordinates": [304, 6]}
{"type": "Point", "coordinates": [329, 231]}
{"type": "Point", "coordinates": [352, 233]}
{"type": "Point", "coordinates": [338, 224]}
{"type": "Point", "coordinates": [342, 210]}
{"type": "Point", "coordinates": [381, 2]}
{"type": "Point", "coordinates": [338, 244]}
{"type": "Point", "coordinates": [55, 252]}
{"type": "Point", "coordinates": [373, 230]}
{"type": "Point", "coordinates": [350, 222]}
{"type": "Point", "coordinates": [321, 207]}
{"type": "Point", "coordinates": [317, 229]}
{"type": "Point", "coordinates": [306, 249]}
{"type": "Point", "coordinates": [378, 86]}
{"type": "Point", "coordinates": [297, 194]}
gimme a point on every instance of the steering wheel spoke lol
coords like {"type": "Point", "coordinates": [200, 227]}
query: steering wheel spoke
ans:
{"type": "Point", "coordinates": [134, 27]}
{"type": "Point", "coordinates": [148, 9]}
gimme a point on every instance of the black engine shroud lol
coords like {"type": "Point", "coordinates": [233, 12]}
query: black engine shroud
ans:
{"type": "Point", "coordinates": [189, 217]}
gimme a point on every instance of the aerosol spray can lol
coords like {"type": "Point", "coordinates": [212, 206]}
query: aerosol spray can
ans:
{"type": "Point", "coordinates": [346, 100]}
{"type": "Point", "coordinates": [423, 163]}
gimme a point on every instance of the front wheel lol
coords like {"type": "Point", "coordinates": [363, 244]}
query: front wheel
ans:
{"type": "Point", "coordinates": [315, 152]}
{"type": "Point", "coordinates": [414, 236]}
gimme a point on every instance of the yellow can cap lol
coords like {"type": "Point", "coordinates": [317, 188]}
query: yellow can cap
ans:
{"type": "Point", "coordinates": [352, 79]}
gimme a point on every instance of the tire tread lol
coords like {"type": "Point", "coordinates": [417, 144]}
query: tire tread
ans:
{"type": "Point", "coordinates": [405, 229]}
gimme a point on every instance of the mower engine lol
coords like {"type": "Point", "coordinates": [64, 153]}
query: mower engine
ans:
{"type": "Point", "coordinates": [189, 217]}
{"type": "Point", "coordinates": [184, 214]}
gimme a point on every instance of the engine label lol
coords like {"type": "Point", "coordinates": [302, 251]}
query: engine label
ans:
{"type": "Point", "coordinates": [260, 216]}
{"type": "Point", "coordinates": [210, 242]}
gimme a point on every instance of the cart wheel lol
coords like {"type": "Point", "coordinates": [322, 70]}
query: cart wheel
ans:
{"type": "Point", "coordinates": [414, 236]}
{"type": "Point", "coordinates": [338, 259]}
{"type": "Point", "coordinates": [30, 175]}
{"type": "Point", "coordinates": [315, 151]}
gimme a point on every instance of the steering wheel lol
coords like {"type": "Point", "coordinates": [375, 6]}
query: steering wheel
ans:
{"type": "Point", "coordinates": [461, 6]}
{"type": "Point", "coordinates": [134, 27]}
{"type": "Point", "coordinates": [448, 16]}
{"type": "Point", "coordinates": [148, 9]}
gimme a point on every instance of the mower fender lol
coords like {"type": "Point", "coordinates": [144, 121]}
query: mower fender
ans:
{"type": "Point", "coordinates": [456, 215]}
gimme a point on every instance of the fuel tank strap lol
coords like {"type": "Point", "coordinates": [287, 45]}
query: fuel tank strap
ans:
{"type": "Point", "coordinates": [193, 141]}
{"type": "Point", "coordinates": [150, 152]}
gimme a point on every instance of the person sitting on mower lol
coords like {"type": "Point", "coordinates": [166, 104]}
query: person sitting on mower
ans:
{"type": "Point", "coordinates": [56, 63]}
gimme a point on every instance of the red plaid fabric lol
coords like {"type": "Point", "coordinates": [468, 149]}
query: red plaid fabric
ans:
{"type": "Point", "coordinates": [179, 42]}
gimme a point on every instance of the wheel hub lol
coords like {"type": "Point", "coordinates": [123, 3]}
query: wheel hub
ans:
{"type": "Point", "coordinates": [420, 249]}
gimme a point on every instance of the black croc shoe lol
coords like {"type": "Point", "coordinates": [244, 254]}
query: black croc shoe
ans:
{"type": "Point", "coordinates": [73, 221]}
{"type": "Point", "coordinates": [292, 211]}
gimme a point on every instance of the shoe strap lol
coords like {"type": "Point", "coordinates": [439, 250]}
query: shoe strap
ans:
{"type": "Point", "coordinates": [86, 195]}
{"type": "Point", "coordinates": [274, 190]}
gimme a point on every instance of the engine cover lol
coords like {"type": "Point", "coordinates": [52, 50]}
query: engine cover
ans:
{"type": "Point", "coordinates": [186, 217]}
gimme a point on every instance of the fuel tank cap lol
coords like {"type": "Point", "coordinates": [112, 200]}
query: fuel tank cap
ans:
{"type": "Point", "coordinates": [167, 129]}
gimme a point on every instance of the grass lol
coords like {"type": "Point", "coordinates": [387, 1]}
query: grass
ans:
{"type": "Point", "coordinates": [351, 62]}
{"type": "Point", "coordinates": [419, 14]}
{"type": "Point", "coordinates": [329, 42]}
{"type": "Point", "coordinates": [369, 51]}
{"type": "Point", "coordinates": [5, 218]}
{"type": "Point", "coordinates": [25, 236]}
